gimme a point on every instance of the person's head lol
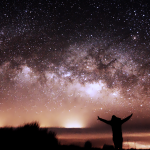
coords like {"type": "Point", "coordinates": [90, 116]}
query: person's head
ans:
{"type": "Point", "coordinates": [114, 118]}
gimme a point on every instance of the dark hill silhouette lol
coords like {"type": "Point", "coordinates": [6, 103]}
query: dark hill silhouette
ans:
{"type": "Point", "coordinates": [116, 124]}
{"type": "Point", "coordinates": [109, 147]}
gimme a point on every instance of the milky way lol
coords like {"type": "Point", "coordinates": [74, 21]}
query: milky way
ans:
{"type": "Point", "coordinates": [70, 61]}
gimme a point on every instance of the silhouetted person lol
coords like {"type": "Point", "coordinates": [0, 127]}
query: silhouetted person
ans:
{"type": "Point", "coordinates": [116, 123]}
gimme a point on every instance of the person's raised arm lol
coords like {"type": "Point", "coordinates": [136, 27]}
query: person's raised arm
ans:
{"type": "Point", "coordinates": [126, 119]}
{"type": "Point", "coordinates": [105, 121]}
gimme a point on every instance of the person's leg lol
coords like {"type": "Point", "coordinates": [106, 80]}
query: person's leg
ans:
{"type": "Point", "coordinates": [118, 143]}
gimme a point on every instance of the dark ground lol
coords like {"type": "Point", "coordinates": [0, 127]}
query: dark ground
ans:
{"type": "Point", "coordinates": [30, 136]}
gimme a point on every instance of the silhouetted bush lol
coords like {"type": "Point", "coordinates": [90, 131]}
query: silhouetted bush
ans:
{"type": "Point", "coordinates": [88, 145]}
{"type": "Point", "coordinates": [29, 136]}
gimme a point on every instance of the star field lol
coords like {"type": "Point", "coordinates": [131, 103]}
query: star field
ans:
{"type": "Point", "coordinates": [68, 60]}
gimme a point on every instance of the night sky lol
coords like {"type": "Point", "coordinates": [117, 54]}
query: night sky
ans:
{"type": "Point", "coordinates": [63, 63]}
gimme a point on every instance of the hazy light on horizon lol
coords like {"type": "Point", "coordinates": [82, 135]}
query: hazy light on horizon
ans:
{"type": "Point", "coordinates": [136, 145]}
{"type": "Point", "coordinates": [73, 124]}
